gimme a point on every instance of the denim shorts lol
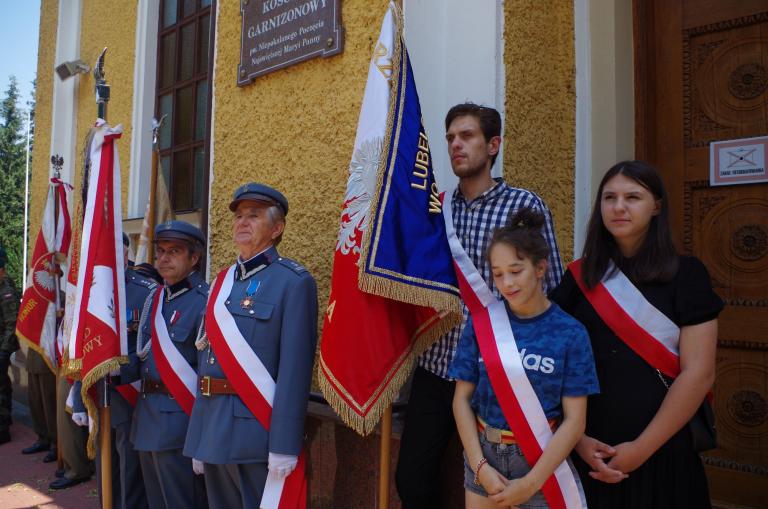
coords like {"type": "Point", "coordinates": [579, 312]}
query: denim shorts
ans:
{"type": "Point", "coordinates": [509, 461]}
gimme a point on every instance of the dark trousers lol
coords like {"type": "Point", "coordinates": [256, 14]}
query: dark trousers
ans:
{"type": "Point", "coordinates": [73, 439]}
{"type": "Point", "coordinates": [170, 482]}
{"type": "Point", "coordinates": [6, 396]}
{"type": "Point", "coordinates": [127, 483]}
{"type": "Point", "coordinates": [235, 485]}
{"type": "Point", "coordinates": [42, 406]}
{"type": "Point", "coordinates": [429, 425]}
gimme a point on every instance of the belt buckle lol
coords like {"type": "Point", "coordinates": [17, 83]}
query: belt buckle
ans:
{"type": "Point", "coordinates": [205, 386]}
{"type": "Point", "coordinates": [493, 434]}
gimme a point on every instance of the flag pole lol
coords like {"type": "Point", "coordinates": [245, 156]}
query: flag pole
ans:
{"type": "Point", "coordinates": [57, 162]}
{"type": "Point", "coordinates": [153, 189]}
{"type": "Point", "coordinates": [385, 457]}
{"type": "Point", "coordinates": [105, 427]}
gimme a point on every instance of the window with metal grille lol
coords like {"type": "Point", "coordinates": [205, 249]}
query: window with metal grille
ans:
{"type": "Point", "coordinates": [182, 95]}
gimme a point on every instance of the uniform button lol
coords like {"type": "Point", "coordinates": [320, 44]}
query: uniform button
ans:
{"type": "Point", "coordinates": [211, 361]}
{"type": "Point", "coordinates": [146, 370]}
{"type": "Point", "coordinates": [251, 311]}
{"type": "Point", "coordinates": [227, 302]}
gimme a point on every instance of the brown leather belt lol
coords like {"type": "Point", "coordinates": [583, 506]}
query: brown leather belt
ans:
{"type": "Point", "coordinates": [151, 386]}
{"type": "Point", "coordinates": [212, 386]}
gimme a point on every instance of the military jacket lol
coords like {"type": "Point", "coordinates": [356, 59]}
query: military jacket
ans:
{"type": "Point", "coordinates": [159, 423]}
{"type": "Point", "coordinates": [9, 310]}
{"type": "Point", "coordinates": [274, 305]}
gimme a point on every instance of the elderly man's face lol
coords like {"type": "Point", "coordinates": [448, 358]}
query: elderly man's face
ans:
{"type": "Point", "coordinates": [252, 228]}
{"type": "Point", "coordinates": [174, 260]}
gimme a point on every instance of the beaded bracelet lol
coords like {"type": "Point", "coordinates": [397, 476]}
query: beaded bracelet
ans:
{"type": "Point", "coordinates": [477, 470]}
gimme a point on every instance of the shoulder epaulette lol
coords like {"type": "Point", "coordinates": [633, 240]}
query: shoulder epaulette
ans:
{"type": "Point", "coordinates": [292, 264]}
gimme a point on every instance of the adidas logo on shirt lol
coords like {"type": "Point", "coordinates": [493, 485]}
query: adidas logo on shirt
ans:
{"type": "Point", "coordinates": [536, 362]}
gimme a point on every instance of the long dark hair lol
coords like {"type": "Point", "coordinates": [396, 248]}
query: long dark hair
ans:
{"type": "Point", "coordinates": [656, 259]}
{"type": "Point", "coordinates": [523, 232]}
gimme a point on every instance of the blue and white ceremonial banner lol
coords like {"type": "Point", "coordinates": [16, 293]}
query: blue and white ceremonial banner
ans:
{"type": "Point", "coordinates": [393, 288]}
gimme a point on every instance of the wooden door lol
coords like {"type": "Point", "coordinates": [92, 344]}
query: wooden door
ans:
{"type": "Point", "coordinates": [702, 76]}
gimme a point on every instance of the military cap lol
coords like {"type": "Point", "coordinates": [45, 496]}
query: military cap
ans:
{"type": "Point", "coordinates": [126, 240]}
{"type": "Point", "coordinates": [259, 192]}
{"type": "Point", "coordinates": [178, 230]}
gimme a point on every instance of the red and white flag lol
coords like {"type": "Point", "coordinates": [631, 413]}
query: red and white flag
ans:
{"type": "Point", "coordinates": [99, 338]}
{"type": "Point", "coordinates": [36, 322]}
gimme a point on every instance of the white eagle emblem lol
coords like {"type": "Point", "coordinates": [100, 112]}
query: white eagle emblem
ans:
{"type": "Point", "coordinates": [361, 186]}
{"type": "Point", "coordinates": [44, 279]}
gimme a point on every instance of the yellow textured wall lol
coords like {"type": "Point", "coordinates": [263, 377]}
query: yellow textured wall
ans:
{"type": "Point", "coordinates": [540, 133]}
{"type": "Point", "coordinates": [101, 27]}
{"type": "Point", "coordinates": [40, 167]}
{"type": "Point", "coordinates": [293, 129]}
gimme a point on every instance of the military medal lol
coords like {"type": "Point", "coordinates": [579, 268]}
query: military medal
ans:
{"type": "Point", "coordinates": [247, 302]}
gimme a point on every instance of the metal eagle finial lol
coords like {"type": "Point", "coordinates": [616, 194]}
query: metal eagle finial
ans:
{"type": "Point", "coordinates": [102, 89]}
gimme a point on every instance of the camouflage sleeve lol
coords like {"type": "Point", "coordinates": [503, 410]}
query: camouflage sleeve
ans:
{"type": "Point", "coordinates": [9, 308]}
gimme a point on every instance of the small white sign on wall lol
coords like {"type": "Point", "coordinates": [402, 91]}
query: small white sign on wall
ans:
{"type": "Point", "coordinates": [738, 161]}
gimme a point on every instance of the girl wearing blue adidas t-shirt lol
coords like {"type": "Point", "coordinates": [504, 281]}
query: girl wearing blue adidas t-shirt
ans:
{"type": "Point", "coordinates": [557, 357]}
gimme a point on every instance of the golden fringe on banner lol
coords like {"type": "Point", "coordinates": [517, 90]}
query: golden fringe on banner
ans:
{"type": "Point", "coordinates": [36, 348]}
{"type": "Point", "coordinates": [96, 374]}
{"type": "Point", "coordinates": [388, 391]}
{"type": "Point", "coordinates": [380, 285]}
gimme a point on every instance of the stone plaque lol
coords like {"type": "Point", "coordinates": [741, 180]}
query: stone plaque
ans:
{"type": "Point", "coordinates": [279, 33]}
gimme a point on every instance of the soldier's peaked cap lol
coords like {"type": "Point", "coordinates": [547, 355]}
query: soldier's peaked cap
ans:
{"type": "Point", "coordinates": [259, 192]}
{"type": "Point", "coordinates": [178, 230]}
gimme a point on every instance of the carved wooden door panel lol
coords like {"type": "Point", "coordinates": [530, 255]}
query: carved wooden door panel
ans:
{"type": "Point", "coordinates": [702, 77]}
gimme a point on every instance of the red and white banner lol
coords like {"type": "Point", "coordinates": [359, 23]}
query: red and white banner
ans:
{"type": "Point", "coordinates": [254, 385]}
{"type": "Point", "coordinates": [98, 320]}
{"type": "Point", "coordinates": [645, 329]}
{"type": "Point", "coordinates": [175, 371]}
{"type": "Point", "coordinates": [513, 390]}
{"type": "Point", "coordinates": [36, 322]}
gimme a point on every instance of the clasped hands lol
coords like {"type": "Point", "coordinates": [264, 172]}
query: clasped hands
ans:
{"type": "Point", "coordinates": [610, 464]}
{"type": "Point", "coordinates": [505, 492]}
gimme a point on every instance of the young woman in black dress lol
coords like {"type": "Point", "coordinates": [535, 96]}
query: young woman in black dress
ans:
{"type": "Point", "coordinates": [637, 450]}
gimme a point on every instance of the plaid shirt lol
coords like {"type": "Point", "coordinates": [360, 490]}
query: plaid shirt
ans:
{"type": "Point", "coordinates": [475, 222]}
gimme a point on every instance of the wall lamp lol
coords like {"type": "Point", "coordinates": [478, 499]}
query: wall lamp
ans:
{"type": "Point", "coordinates": [69, 69]}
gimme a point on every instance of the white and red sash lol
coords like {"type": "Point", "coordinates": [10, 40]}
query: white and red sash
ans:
{"type": "Point", "coordinates": [645, 329]}
{"type": "Point", "coordinates": [518, 401]}
{"type": "Point", "coordinates": [130, 392]}
{"type": "Point", "coordinates": [174, 369]}
{"type": "Point", "coordinates": [254, 386]}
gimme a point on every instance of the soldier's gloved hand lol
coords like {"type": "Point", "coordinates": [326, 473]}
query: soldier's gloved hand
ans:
{"type": "Point", "coordinates": [80, 418]}
{"type": "Point", "coordinates": [198, 467]}
{"type": "Point", "coordinates": [282, 464]}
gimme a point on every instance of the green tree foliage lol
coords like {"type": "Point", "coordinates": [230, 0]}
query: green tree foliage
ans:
{"type": "Point", "coordinates": [12, 167]}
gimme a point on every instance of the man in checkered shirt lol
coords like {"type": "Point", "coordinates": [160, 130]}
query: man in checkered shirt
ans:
{"type": "Point", "coordinates": [480, 205]}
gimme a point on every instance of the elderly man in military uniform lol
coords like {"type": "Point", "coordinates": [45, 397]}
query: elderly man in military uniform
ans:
{"type": "Point", "coordinates": [127, 483]}
{"type": "Point", "coordinates": [269, 304]}
{"type": "Point", "coordinates": [166, 362]}
{"type": "Point", "coordinates": [9, 309]}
